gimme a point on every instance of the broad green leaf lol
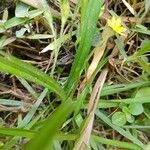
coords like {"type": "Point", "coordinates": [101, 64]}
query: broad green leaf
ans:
{"type": "Point", "coordinates": [87, 34]}
{"type": "Point", "coordinates": [12, 65]}
{"type": "Point", "coordinates": [136, 108]}
{"type": "Point", "coordinates": [119, 118]}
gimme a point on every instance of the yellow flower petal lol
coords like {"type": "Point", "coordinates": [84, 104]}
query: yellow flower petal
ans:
{"type": "Point", "coordinates": [109, 23]}
{"type": "Point", "coordinates": [115, 24]}
{"type": "Point", "coordinates": [118, 21]}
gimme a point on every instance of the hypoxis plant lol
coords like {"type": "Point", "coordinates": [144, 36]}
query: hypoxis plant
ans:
{"type": "Point", "coordinates": [16, 67]}
{"type": "Point", "coordinates": [52, 131]}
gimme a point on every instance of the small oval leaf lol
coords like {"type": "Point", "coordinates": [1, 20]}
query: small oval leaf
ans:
{"type": "Point", "coordinates": [136, 108]}
{"type": "Point", "coordinates": [119, 118]}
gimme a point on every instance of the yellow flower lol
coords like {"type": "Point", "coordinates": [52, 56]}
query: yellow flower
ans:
{"type": "Point", "coordinates": [115, 24]}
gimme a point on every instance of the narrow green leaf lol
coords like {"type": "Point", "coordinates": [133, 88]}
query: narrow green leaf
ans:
{"type": "Point", "coordinates": [62, 136]}
{"type": "Point", "coordinates": [38, 36]}
{"type": "Point", "coordinates": [51, 126]}
{"type": "Point", "coordinates": [116, 143]}
{"type": "Point", "coordinates": [2, 40]}
{"type": "Point", "coordinates": [141, 30]}
{"type": "Point", "coordinates": [17, 67]}
{"type": "Point", "coordinates": [84, 4]}
{"type": "Point", "coordinates": [144, 48]}
{"type": "Point", "coordinates": [111, 89]}
{"type": "Point", "coordinates": [17, 21]}
{"type": "Point", "coordinates": [17, 132]}
{"type": "Point", "coordinates": [28, 87]}
{"type": "Point", "coordinates": [8, 41]}
{"type": "Point", "coordinates": [87, 34]}
{"type": "Point", "coordinates": [10, 102]}
{"type": "Point", "coordinates": [120, 46]}
{"type": "Point", "coordinates": [33, 110]}
{"type": "Point", "coordinates": [58, 42]}
{"type": "Point", "coordinates": [65, 9]}
{"type": "Point", "coordinates": [144, 65]}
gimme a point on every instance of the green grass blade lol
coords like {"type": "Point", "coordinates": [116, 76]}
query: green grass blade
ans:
{"type": "Point", "coordinates": [145, 66]}
{"type": "Point", "coordinates": [83, 11]}
{"type": "Point", "coordinates": [87, 34]}
{"type": "Point", "coordinates": [61, 137]}
{"type": "Point", "coordinates": [17, 21]}
{"type": "Point", "coordinates": [142, 100]}
{"type": "Point", "coordinates": [33, 110]}
{"type": "Point", "coordinates": [120, 46]}
{"type": "Point", "coordinates": [111, 89]}
{"type": "Point", "coordinates": [116, 143]}
{"type": "Point", "coordinates": [17, 132]}
{"type": "Point", "coordinates": [28, 87]}
{"type": "Point", "coordinates": [10, 102]}
{"type": "Point", "coordinates": [2, 40]}
{"type": "Point", "coordinates": [17, 67]}
{"type": "Point", "coordinates": [51, 126]}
